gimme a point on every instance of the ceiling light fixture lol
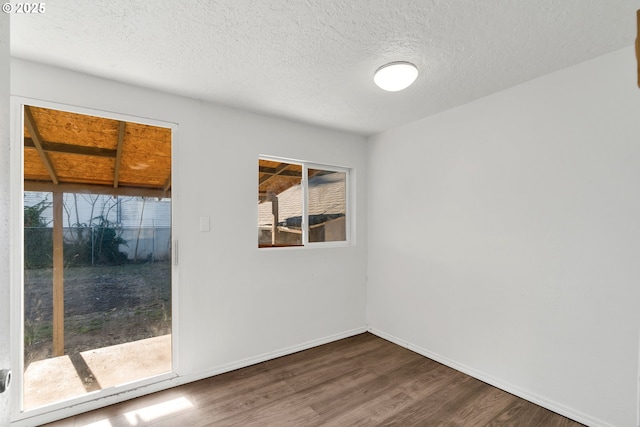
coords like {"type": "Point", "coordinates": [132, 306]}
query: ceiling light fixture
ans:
{"type": "Point", "coordinates": [396, 76]}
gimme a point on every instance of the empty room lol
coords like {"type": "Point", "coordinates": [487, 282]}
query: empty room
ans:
{"type": "Point", "coordinates": [320, 213]}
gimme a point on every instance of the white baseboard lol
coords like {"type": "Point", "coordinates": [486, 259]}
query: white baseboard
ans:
{"type": "Point", "coordinates": [151, 386]}
{"type": "Point", "coordinates": [270, 355]}
{"type": "Point", "coordinates": [496, 382]}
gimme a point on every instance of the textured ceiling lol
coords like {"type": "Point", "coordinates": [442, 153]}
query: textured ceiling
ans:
{"type": "Point", "coordinates": [314, 60]}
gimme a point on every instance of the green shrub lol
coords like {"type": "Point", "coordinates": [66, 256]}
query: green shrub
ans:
{"type": "Point", "coordinates": [106, 244]}
{"type": "Point", "coordinates": [38, 238]}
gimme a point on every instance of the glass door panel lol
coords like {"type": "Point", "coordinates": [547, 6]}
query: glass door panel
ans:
{"type": "Point", "coordinates": [97, 254]}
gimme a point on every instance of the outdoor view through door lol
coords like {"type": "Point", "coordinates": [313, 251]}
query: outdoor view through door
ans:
{"type": "Point", "coordinates": [97, 254]}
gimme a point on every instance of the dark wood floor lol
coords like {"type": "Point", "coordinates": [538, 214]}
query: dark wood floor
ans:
{"type": "Point", "coordinates": [358, 381]}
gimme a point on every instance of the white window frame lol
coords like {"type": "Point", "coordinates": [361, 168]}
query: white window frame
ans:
{"type": "Point", "coordinates": [349, 205]}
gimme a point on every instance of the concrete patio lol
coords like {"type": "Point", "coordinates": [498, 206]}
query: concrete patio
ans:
{"type": "Point", "coordinates": [59, 378]}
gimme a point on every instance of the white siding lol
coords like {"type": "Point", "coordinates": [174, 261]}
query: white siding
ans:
{"type": "Point", "coordinates": [122, 211]}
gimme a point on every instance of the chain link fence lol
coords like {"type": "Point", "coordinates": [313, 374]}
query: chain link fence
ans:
{"type": "Point", "coordinates": [98, 245]}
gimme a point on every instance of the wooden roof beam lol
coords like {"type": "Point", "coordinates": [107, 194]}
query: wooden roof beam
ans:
{"type": "Point", "coordinates": [272, 171]}
{"type": "Point", "coordinates": [96, 189]}
{"type": "Point", "coordinates": [116, 172]}
{"type": "Point", "coordinates": [30, 123]}
{"type": "Point", "coordinates": [277, 171]}
{"type": "Point", "coordinates": [59, 147]}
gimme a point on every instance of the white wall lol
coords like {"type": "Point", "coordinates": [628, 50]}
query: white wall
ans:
{"type": "Point", "coordinates": [4, 210]}
{"type": "Point", "coordinates": [504, 234]}
{"type": "Point", "coordinates": [236, 303]}
{"type": "Point", "coordinates": [505, 237]}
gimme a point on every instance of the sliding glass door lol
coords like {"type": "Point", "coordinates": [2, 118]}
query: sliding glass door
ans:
{"type": "Point", "coordinates": [97, 270]}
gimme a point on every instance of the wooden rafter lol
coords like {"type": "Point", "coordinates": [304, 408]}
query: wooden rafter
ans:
{"type": "Point", "coordinates": [94, 155]}
{"type": "Point", "coordinates": [30, 123]}
{"type": "Point", "coordinates": [280, 169]}
{"type": "Point", "coordinates": [116, 172]}
{"type": "Point", "coordinates": [59, 147]}
{"type": "Point", "coordinates": [96, 189]}
{"type": "Point", "coordinates": [272, 171]}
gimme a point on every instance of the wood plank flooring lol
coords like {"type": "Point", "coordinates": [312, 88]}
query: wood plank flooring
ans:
{"type": "Point", "coordinates": [358, 381]}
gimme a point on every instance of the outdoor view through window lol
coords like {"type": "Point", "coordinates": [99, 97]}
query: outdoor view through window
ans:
{"type": "Point", "coordinates": [97, 254]}
{"type": "Point", "coordinates": [284, 197]}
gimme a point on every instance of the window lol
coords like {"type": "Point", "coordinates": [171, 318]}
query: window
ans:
{"type": "Point", "coordinates": [301, 203]}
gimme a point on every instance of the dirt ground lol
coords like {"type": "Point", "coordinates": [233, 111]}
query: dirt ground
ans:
{"type": "Point", "coordinates": [103, 306]}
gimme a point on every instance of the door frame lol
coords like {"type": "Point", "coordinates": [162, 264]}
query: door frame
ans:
{"type": "Point", "coordinates": [100, 398]}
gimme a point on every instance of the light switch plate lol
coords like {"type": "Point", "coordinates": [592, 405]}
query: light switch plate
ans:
{"type": "Point", "coordinates": [205, 223]}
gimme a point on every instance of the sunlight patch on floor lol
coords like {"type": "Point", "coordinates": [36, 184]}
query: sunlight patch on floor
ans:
{"type": "Point", "coordinates": [160, 410]}
{"type": "Point", "coordinates": [101, 423]}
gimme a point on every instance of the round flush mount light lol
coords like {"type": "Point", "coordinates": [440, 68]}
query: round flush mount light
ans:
{"type": "Point", "coordinates": [396, 76]}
